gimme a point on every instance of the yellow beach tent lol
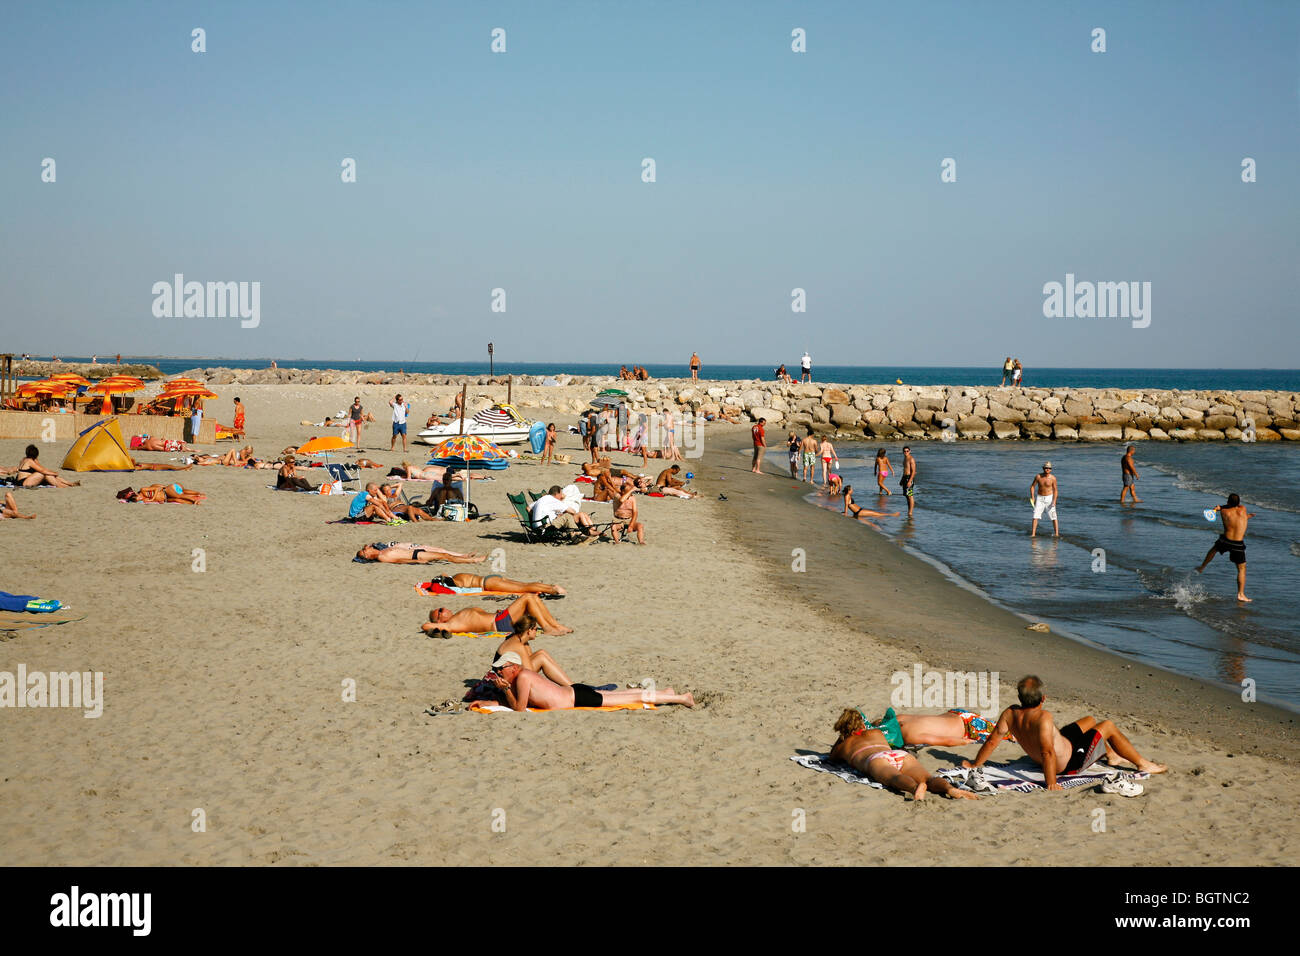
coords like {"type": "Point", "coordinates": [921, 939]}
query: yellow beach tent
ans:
{"type": "Point", "coordinates": [100, 447]}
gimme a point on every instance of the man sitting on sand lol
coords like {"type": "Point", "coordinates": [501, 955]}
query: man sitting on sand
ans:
{"type": "Point", "coordinates": [626, 514]}
{"type": "Point", "coordinates": [669, 484]}
{"type": "Point", "coordinates": [475, 620]}
{"type": "Point", "coordinates": [1073, 748]}
{"type": "Point", "coordinates": [1232, 541]}
{"type": "Point", "coordinates": [370, 505]}
{"type": "Point", "coordinates": [524, 688]}
{"type": "Point", "coordinates": [404, 552]}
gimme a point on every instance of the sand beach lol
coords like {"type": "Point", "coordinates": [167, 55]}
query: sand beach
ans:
{"type": "Point", "coordinates": [224, 688]}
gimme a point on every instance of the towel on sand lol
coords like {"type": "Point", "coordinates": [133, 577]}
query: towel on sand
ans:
{"type": "Point", "coordinates": [1025, 776]}
{"type": "Point", "coordinates": [15, 621]}
{"type": "Point", "coordinates": [1021, 777]}
{"type": "Point", "coordinates": [481, 707]}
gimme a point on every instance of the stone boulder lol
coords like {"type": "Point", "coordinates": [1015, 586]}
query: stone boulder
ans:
{"type": "Point", "coordinates": [1036, 430]}
{"type": "Point", "coordinates": [1065, 433]}
{"type": "Point", "coordinates": [959, 406]}
{"type": "Point", "coordinates": [1210, 434]}
{"type": "Point", "coordinates": [1158, 434]}
{"type": "Point", "coordinates": [844, 415]}
{"type": "Point", "coordinates": [1005, 430]}
{"type": "Point", "coordinates": [771, 414]}
{"type": "Point", "coordinates": [972, 427]}
{"type": "Point", "coordinates": [1220, 422]}
{"type": "Point", "coordinates": [900, 412]}
{"type": "Point", "coordinates": [835, 396]}
{"type": "Point", "coordinates": [881, 429]}
{"type": "Point", "coordinates": [1101, 432]}
{"type": "Point", "coordinates": [1077, 408]}
{"type": "Point", "coordinates": [1135, 434]}
{"type": "Point", "coordinates": [1183, 434]}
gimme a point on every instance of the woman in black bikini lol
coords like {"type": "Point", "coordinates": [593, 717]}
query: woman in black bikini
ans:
{"type": "Point", "coordinates": [31, 473]}
{"type": "Point", "coordinates": [857, 512]}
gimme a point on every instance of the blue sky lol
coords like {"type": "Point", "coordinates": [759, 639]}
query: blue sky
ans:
{"type": "Point", "coordinates": [775, 170]}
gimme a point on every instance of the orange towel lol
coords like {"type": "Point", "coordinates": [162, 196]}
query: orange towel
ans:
{"type": "Point", "coordinates": [480, 707]}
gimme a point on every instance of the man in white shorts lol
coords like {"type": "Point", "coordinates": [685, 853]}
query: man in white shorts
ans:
{"type": "Point", "coordinates": [1044, 493]}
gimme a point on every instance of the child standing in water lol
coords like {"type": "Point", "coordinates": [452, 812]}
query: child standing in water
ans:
{"type": "Point", "coordinates": [883, 470]}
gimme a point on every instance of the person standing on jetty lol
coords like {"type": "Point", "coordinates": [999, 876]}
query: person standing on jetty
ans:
{"type": "Point", "coordinates": [760, 445]}
{"type": "Point", "coordinates": [1129, 476]}
{"type": "Point", "coordinates": [695, 367]}
{"type": "Point", "coordinates": [1006, 371]}
{"type": "Point", "coordinates": [908, 481]}
{"type": "Point", "coordinates": [1043, 492]}
{"type": "Point", "coordinates": [805, 367]}
{"type": "Point", "coordinates": [1232, 541]}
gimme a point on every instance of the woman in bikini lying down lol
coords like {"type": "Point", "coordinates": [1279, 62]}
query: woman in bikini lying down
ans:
{"type": "Point", "coordinates": [161, 493]}
{"type": "Point", "coordinates": [868, 752]}
{"type": "Point", "coordinates": [859, 512]}
{"type": "Point", "coordinates": [496, 584]}
{"type": "Point", "coordinates": [404, 552]}
{"type": "Point", "coordinates": [955, 728]}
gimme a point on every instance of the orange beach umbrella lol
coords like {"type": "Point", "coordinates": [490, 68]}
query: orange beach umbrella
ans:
{"type": "Point", "coordinates": [327, 443]}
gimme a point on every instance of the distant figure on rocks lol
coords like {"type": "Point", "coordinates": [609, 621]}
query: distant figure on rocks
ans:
{"type": "Point", "coordinates": [1232, 541]}
{"type": "Point", "coordinates": [805, 366]}
{"type": "Point", "coordinates": [1007, 368]}
{"type": "Point", "coordinates": [1044, 494]}
{"type": "Point", "coordinates": [1129, 475]}
{"type": "Point", "coordinates": [1017, 373]}
{"type": "Point", "coordinates": [695, 367]}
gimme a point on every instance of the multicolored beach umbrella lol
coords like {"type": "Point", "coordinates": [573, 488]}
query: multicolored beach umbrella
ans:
{"type": "Point", "coordinates": [469, 453]}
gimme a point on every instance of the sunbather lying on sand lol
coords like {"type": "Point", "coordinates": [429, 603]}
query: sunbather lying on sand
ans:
{"type": "Point", "coordinates": [955, 728]}
{"type": "Point", "coordinates": [473, 620]}
{"type": "Point", "coordinates": [496, 584]}
{"type": "Point", "coordinates": [1068, 750]}
{"type": "Point", "coordinates": [162, 493]}
{"type": "Point", "coordinates": [154, 443]}
{"type": "Point", "coordinates": [404, 552]}
{"type": "Point", "coordinates": [10, 508]}
{"type": "Point", "coordinates": [526, 688]}
{"type": "Point", "coordinates": [232, 458]}
{"type": "Point", "coordinates": [415, 473]}
{"type": "Point", "coordinates": [869, 752]}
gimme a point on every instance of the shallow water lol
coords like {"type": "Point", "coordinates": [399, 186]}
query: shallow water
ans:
{"type": "Point", "coordinates": [1144, 600]}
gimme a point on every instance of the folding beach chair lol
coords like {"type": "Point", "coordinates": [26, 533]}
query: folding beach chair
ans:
{"type": "Point", "coordinates": [344, 473]}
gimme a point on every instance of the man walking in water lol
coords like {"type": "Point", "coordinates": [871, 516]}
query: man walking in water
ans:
{"type": "Point", "coordinates": [1233, 541]}
{"type": "Point", "coordinates": [908, 481]}
{"type": "Point", "coordinates": [1129, 475]}
{"type": "Point", "coordinates": [1044, 493]}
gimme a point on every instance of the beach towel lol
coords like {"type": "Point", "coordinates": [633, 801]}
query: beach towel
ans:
{"type": "Point", "coordinates": [1024, 776]}
{"type": "Point", "coordinates": [301, 491]}
{"type": "Point", "coordinates": [483, 707]}
{"type": "Point", "coordinates": [13, 621]}
{"type": "Point", "coordinates": [823, 763]}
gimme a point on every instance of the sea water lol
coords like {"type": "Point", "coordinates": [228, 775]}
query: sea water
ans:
{"type": "Point", "coordinates": [1122, 578]}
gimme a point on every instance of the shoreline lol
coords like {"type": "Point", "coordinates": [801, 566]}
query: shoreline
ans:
{"type": "Point", "coordinates": [976, 633]}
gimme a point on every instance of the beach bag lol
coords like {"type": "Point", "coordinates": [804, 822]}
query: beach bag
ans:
{"type": "Point", "coordinates": [332, 488]}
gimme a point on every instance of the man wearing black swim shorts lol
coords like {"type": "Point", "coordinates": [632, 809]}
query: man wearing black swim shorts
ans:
{"type": "Point", "coordinates": [523, 688]}
{"type": "Point", "coordinates": [1232, 541]}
